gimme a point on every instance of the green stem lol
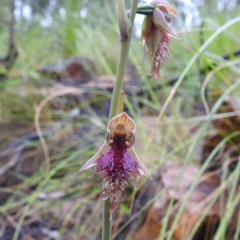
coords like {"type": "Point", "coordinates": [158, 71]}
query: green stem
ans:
{"type": "Point", "coordinates": [125, 41]}
{"type": "Point", "coordinates": [121, 18]}
{"type": "Point", "coordinates": [122, 61]}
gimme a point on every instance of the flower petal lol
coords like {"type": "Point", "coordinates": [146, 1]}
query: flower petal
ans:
{"type": "Point", "coordinates": [117, 172]}
{"type": "Point", "coordinates": [116, 194]}
{"type": "Point", "coordinates": [155, 69]}
{"type": "Point", "coordinates": [93, 161]}
{"type": "Point", "coordinates": [164, 4]}
{"type": "Point", "coordinates": [121, 119]}
{"type": "Point", "coordinates": [122, 124]}
{"type": "Point", "coordinates": [161, 55]}
{"type": "Point", "coordinates": [151, 36]}
{"type": "Point", "coordinates": [160, 22]}
{"type": "Point", "coordinates": [147, 28]}
{"type": "Point", "coordinates": [141, 167]}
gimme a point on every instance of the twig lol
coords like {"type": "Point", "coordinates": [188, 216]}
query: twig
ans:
{"type": "Point", "coordinates": [19, 145]}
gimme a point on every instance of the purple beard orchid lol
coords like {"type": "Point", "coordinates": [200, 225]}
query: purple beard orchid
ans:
{"type": "Point", "coordinates": [117, 160]}
{"type": "Point", "coordinates": [156, 32]}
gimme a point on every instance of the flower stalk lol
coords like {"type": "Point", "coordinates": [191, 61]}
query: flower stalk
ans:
{"type": "Point", "coordinates": [117, 160]}
{"type": "Point", "coordinates": [122, 63]}
{"type": "Point", "coordinates": [125, 42]}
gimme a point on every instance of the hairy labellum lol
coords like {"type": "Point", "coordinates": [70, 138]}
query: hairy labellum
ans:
{"type": "Point", "coordinates": [117, 160]}
{"type": "Point", "coordinates": [155, 35]}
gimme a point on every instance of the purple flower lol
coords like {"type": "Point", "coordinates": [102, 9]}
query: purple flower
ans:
{"type": "Point", "coordinates": [156, 32]}
{"type": "Point", "coordinates": [117, 160]}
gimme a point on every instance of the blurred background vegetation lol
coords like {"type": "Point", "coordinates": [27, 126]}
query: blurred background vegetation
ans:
{"type": "Point", "coordinates": [58, 202]}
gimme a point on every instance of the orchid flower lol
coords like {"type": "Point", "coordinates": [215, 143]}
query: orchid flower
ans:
{"type": "Point", "coordinates": [117, 160]}
{"type": "Point", "coordinates": [156, 32]}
